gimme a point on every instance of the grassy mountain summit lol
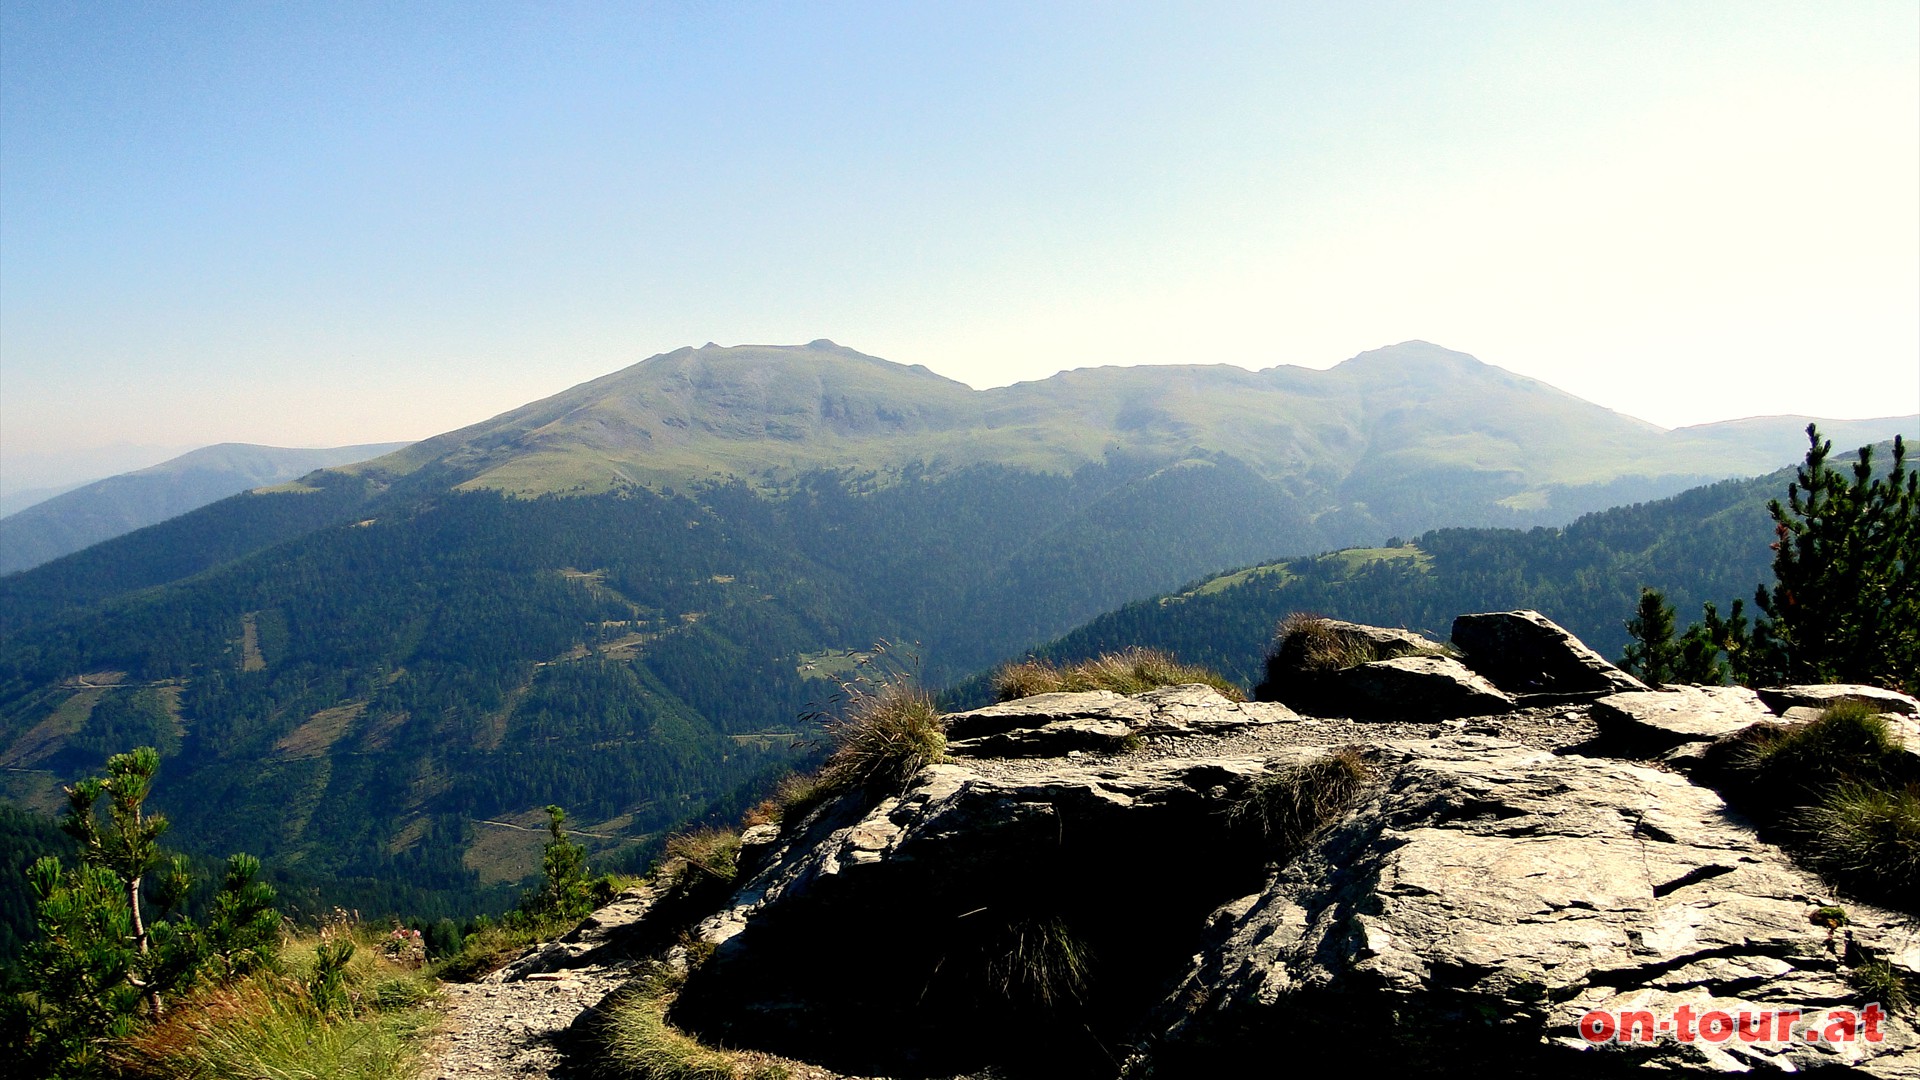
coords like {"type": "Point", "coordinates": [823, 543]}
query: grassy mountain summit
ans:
{"type": "Point", "coordinates": [1384, 423]}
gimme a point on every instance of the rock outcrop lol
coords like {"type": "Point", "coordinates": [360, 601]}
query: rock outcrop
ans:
{"type": "Point", "coordinates": [1526, 653]}
{"type": "Point", "coordinates": [1095, 886]}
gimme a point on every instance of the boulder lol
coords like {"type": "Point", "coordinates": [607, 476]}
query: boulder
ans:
{"type": "Point", "coordinates": [1300, 672]}
{"type": "Point", "coordinates": [1491, 895]}
{"type": "Point", "coordinates": [1656, 721]}
{"type": "Point", "coordinates": [1782, 698]}
{"type": "Point", "coordinates": [1414, 688]}
{"type": "Point", "coordinates": [606, 936]}
{"type": "Point", "coordinates": [1526, 653]}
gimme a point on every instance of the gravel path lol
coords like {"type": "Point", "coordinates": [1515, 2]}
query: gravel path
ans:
{"type": "Point", "coordinates": [508, 1029]}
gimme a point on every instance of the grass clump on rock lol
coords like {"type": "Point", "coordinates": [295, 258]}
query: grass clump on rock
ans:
{"type": "Point", "coordinates": [1866, 839]}
{"type": "Point", "coordinates": [1320, 645]}
{"type": "Point", "coordinates": [1842, 790]}
{"type": "Point", "coordinates": [704, 855]}
{"type": "Point", "coordinates": [1290, 804]}
{"type": "Point", "coordinates": [1039, 962]}
{"type": "Point", "coordinates": [888, 733]}
{"type": "Point", "coordinates": [1849, 743]}
{"type": "Point", "coordinates": [1130, 671]}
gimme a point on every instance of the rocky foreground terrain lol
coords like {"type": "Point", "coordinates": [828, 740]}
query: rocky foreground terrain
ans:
{"type": "Point", "coordinates": [1176, 885]}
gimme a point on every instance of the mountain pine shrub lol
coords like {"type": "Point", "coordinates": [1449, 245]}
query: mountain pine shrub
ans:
{"type": "Point", "coordinates": [1652, 655]}
{"type": "Point", "coordinates": [1845, 603]}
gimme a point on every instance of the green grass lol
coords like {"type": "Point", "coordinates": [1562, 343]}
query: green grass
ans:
{"type": "Point", "coordinates": [490, 947]}
{"type": "Point", "coordinates": [1280, 572]}
{"type": "Point", "coordinates": [708, 855]}
{"type": "Point", "coordinates": [1876, 980]}
{"type": "Point", "coordinates": [1352, 559]}
{"type": "Point", "coordinates": [268, 1026]}
{"type": "Point", "coordinates": [1131, 671]}
{"type": "Point", "coordinates": [637, 1043]}
{"type": "Point", "coordinates": [831, 664]}
{"type": "Point", "coordinates": [1038, 962]}
{"type": "Point", "coordinates": [1320, 645]}
{"type": "Point", "coordinates": [1841, 789]}
{"type": "Point", "coordinates": [1867, 840]}
{"type": "Point", "coordinates": [1849, 743]}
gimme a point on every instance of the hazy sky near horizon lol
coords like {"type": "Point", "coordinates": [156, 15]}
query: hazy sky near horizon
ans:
{"type": "Point", "coordinates": [320, 224]}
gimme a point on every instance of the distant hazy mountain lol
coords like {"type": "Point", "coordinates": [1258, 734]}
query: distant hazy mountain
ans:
{"type": "Point", "coordinates": [620, 598]}
{"type": "Point", "coordinates": [15, 501]}
{"type": "Point", "coordinates": [120, 504]}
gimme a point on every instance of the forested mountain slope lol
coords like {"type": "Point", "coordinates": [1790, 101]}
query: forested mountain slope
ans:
{"type": "Point", "coordinates": [1706, 544]}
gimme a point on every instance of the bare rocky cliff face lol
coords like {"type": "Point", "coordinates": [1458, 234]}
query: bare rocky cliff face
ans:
{"type": "Point", "coordinates": [1175, 885]}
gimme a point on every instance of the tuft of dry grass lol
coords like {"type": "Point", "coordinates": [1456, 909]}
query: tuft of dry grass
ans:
{"type": "Point", "coordinates": [1290, 804]}
{"type": "Point", "coordinates": [268, 1025]}
{"type": "Point", "coordinates": [705, 855]}
{"type": "Point", "coordinates": [889, 732]}
{"type": "Point", "coordinates": [1130, 671]}
{"type": "Point", "coordinates": [1321, 645]}
{"type": "Point", "coordinates": [796, 794]}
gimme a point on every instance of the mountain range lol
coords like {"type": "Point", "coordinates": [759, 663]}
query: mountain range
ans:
{"type": "Point", "coordinates": [88, 514]}
{"type": "Point", "coordinates": [620, 598]}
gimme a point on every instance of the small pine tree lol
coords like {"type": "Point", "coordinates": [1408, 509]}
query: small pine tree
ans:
{"type": "Point", "coordinates": [98, 961]}
{"type": "Point", "coordinates": [1705, 641]}
{"type": "Point", "coordinates": [1652, 654]}
{"type": "Point", "coordinates": [565, 891]}
{"type": "Point", "coordinates": [1845, 605]}
{"type": "Point", "coordinates": [243, 929]}
{"type": "Point", "coordinates": [127, 847]}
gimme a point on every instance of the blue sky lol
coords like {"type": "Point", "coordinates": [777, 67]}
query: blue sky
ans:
{"type": "Point", "coordinates": [317, 224]}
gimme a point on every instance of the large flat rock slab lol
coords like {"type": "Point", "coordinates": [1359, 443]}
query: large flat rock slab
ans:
{"type": "Point", "coordinates": [1052, 725]}
{"type": "Point", "coordinates": [1659, 720]}
{"type": "Point", "coordinates": [1819, 696]}
{"type": "Point", "coordinates": [1491, 896]}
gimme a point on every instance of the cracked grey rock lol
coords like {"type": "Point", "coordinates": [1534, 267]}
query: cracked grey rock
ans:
{"type": "Point", "coordinates": [1782, 698]}
{"type": "Point", "coordinates": [1656, 721]}
{"type": "Point", "coordinates": [1489, 879]}
{"type": "Point", "coordinates": [1051, 725]}
{"type": "Point", "coordinates": [1415, 688]}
